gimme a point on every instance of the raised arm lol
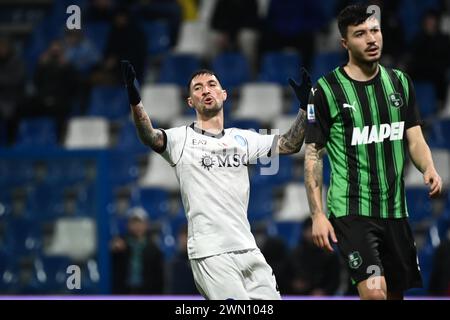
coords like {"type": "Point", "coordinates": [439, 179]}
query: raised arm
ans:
{"type": "Point", "coordinates": [149, 136]}
{"type": "Point", "coordinates": [322, 228]}
{"type": "Point", "coordinates": [421, 156]}
{"type": "Point", "coordinates": [292, 141]}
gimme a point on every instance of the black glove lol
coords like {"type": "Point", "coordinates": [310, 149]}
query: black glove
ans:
{"type": "Point", "coordinates": [302, 90]}
{"type": "Point", "coordinates": [129, 78]}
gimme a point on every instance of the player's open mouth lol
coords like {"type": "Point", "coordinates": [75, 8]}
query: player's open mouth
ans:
{"type": "Point", "coordinates": [208, 100]}
{"type": "Point", "coordinates": [372, 50]}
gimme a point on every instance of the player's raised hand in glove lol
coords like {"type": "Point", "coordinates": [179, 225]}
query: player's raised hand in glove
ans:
{"type": "Point", "coordinates": [129, 77]}
{"type": "Point", "coordinates": [302, 90]}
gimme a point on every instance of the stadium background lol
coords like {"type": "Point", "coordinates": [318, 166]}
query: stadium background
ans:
{"type": "Point", "coordinates": [72, 167]}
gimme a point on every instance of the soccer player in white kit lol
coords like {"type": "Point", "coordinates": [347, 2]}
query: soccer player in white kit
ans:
{"type": "Point", "coordinates": [211, 166]}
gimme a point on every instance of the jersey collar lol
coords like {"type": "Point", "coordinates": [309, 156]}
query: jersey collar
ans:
{"type": "Point", "coordinates": [206, 133]}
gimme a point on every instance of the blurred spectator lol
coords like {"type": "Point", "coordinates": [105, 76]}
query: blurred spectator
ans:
{"type": "Point", "coordinates": [80, 51]}
{"type": "Point", "coordinates": [127, 41]}
{"type": "Point", "coordinates": [99, 11]}
{"type": "Point", "coordinates": [392, 28]}
{"type": "Point", "coordinates": [275, 251]}
{"type": "Point", "coordinates": [137, 262]}
{"type": "Point", "coordinates": [189, 9]}
{"type": "Point", "coordinates": [12, 79]}
{"type": "Point", "coordinates": [166, 10]}
{"type": "Point", "coordinates": [56, 84]}
{"type": "Point", "coordinates": [445, 17]}
{"type": "Point", "coordinates": [180, 277]}
{"type": "Point", "coordinates": [315, 271]}
{"type": "Point", "coordinates": [440, 273]}
{"type": "Point", "coordinates": [237, 25]}
{"type": "Point", "coordinates": [293, 24]}
{"type": "Point", "coordinates": [430, 55]}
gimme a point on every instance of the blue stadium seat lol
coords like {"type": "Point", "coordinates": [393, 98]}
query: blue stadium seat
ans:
{"type": "Point", "coordinates": [37, 133]}
{"type": "Point", "coordinates": [426, 98]}
{"type": "Point", "coordinates": [128, 139]}
{"type": "Point", "coordinates": [178, 68]}
{"type": "Point", "coordinates": [290, 232]}
{"type": "Point", "coordinates": [97, 33]}
{"type": "Point", "coordinates": [443, 223]}
{"type": "Point", "coordinates": [23, 236]}
{"type": "Point", "coordinates": [55, 268]}
{"type": "Point", "coordinates": [419, 205]}
{"type": "Point", "coordinates": [324, 63]}
{"type": "Point", "coordinates": [439, 134]}
{"type": "Point", "coordinates": [109, 101]}
{"type": "Point", "coordinates": [158, 36]}
{"type": "Point", "coordinates": [260, 205]}
{"type": "Point", "coordinates": [47, 202]}
{"type": "Point", "coordinates": [167, 240]}
{"type": "Point", "coordinates": [243, 124]}
{"type": "Point", "coordinates": [278, 67]}
{"type": "Point", "coordinates": [232, 68]}
{"type": "Point", "coordinates": [155, 202]}
{"type": "Point", "coordinates": [326, 170]}
{"type": "Point", "coordinates": [15, 172]}
{"type": "Point", "coordinates": [66, 171]}
{"type": "Point", "coordinates": [284, 174]}
{"type": "Point", "coordinates": [123, 168]}
{"type": "Point", "coordinates": [8, 276]}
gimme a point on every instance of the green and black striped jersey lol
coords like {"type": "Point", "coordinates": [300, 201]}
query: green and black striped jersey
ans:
{"type": "Point", "coordinates": [363, 127]}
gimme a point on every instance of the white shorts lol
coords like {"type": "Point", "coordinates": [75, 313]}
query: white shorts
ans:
{"type": "Point", "coordinates": [238, 275]}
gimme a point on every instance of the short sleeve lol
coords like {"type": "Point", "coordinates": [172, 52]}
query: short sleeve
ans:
{"type": "Point", "coordinates": [175, 139]}
{"type": "Point", "coordinates": [258, 145]}
{"type": "Point", "coordinates": [412, 115]}
{"type": "Point", "coordinates": [318, 118]}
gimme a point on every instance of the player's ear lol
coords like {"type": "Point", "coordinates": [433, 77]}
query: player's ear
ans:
{"type": "Point", "coordinates": [190, 102]}
{"type": "Point", "coordinates": [344, 43]}
{"type": "Point", "coordinates": [225, 94]}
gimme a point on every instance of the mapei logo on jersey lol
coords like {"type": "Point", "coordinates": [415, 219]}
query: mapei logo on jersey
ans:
{"type": "Point", "coordinates": [223, 161]}
{"type": "Point", "coordinates": [310, 113]}
{"type": "Point", "coordinates": [396, 100]}
{"type": "Point", "coordinates": [375, 133]}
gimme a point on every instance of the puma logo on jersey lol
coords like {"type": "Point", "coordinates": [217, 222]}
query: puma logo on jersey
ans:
{"type": "Point", "coordinates": [371, 134]}
{"type": "Point", "coordinates": [351, 106]}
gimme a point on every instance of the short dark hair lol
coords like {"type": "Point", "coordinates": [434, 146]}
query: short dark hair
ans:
{"type": "Point", "coordinates": [199, 72]}
{"type": "Point", "coordinates": [352, 15]}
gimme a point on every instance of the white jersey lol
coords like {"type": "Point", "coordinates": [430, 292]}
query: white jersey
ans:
{"type": "Point", "coordinates": [214, 184]}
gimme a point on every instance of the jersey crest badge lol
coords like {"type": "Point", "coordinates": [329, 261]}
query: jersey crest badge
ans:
{"type": "Point", "coordinates": [239, 139]}
{"type": "Point", "coordinates": [396, 100]}
{"type": "Point", "coordinates": [354, 260]}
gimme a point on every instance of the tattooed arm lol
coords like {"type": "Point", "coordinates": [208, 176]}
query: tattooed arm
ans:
{"type": "Point", "coordinates": [291, 141]}
{"type": "Point", "coordinates": [322, 228]}
{"type": "Point", "coordinates": [149, 136]}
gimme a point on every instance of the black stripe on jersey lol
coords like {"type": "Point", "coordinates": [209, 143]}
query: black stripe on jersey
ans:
{"type": "Point", "coordinates": [352, 155]}
{"type": "Point", "coordinates": [383, 106]}
{"type": "Point", "coordinates": [371, 151]}
{"type": "Point", "coordinates": [399, 88]}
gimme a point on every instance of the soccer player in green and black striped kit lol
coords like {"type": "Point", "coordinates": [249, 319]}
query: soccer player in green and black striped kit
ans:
{"type": "Point", "coordinates": [366, 118]}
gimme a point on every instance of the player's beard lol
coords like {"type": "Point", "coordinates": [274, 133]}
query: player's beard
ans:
{"type": "Point", "coordinates": [211, 111]}
{"type": "Point", "coordinates": [361, 58]}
